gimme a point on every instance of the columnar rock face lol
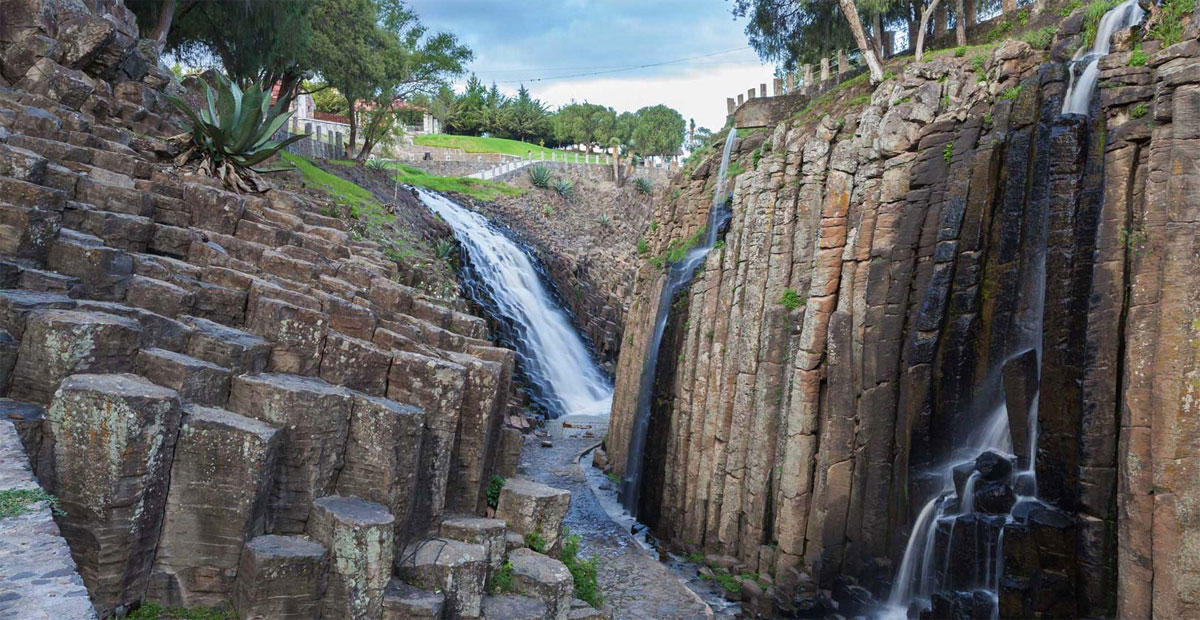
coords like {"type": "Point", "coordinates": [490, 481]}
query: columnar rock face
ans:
{"type": "Point", "coordinates": [882, 265]}
{"type": "Point", "coordinates": [383, 455]}
{"type": "Point", "coordinates": [359, 537]}
{"type": "Point", "coordinates": [457, 568]}
{"type": "Point", "coordinates": [221, 478]}
{"type": "Point", "coordinates": [113, 436]}
{"type": "Point", "coordinates": [59, 343]}
{"type": "Point", "coordinates": [532, 508]}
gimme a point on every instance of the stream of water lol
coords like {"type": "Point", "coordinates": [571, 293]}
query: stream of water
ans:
{"type": "Point", "coordinates": [1079, 93]}
{"type": "Point", "coordinates": [554, 358]}
{"type": "Point", "coordinates": [679, 275]}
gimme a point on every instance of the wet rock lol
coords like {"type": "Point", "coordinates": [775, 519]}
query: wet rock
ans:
{"type": "Point", "coordinates": [543, 578]}
{"type": "Point", "coordinates": [994, 466]}
{"type": "Point", "coordinates": [112, 436]}
{"type": "Point", "coordinates": [404, 602]}
{"type": "Point", "coordinates": [221, 477]}
{"type": "Point", "coordinates": [529, 507]}
{"type": "Point", "coordinates": [1020, 388]}
{"type": "Point", "coordinates": [314, 418]}
{"type": "Point", "coordinates": [994, 497]}
{"type": "Point", "coordinates": [456, 568]}
{"type": "Point", "coordinates": [280, 577]}
{"type": "Point", "coordinates": [852, 599]}
{"type": "Point", "coordinates": [959, 606]}
{"type": "Point", "coordinates": [359, 537]}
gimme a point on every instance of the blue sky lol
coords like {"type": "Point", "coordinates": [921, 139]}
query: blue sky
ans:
{"type": "Point", "coordinates": [519, 41]}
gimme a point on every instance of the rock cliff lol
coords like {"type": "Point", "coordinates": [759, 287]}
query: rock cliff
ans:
{"type": "Point", "coordinates": [890, 250]}
{"type": "Point", "coordinates": [236, 400]}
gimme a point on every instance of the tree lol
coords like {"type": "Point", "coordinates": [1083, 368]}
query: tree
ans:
{"type": "Point", "coordinates": [584, 123]}
{"type": "Point", "coordinates": [445, 107]}
{"type": "Point", "coordinates": [791, 32]}
{"type": "Point", "coordinates": [659, 131]}
{"type": "Point", "coordinates": [960, 23]}
{"type": "Point", "coordinates": [526, 118]}
{"type": "Point", "coordinates": [328, 99]}
{"type": "Point", "coordinates": [700, 139]}
{"type": "Point", "coordinates": [919, 50]}
{"type": "Point", "coordinates": [262, 42]}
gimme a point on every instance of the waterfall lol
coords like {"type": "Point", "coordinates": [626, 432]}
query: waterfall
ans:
{"type": "Point", "coordinates": [1079, 93]}
{"type": "Point", "coordinates": [679, 274]}
{"type": "Point", "coordinates": [551, 353]}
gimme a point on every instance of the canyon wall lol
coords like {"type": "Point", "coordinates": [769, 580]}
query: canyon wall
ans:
{"type": "Point", "coordinates": [883, 263]}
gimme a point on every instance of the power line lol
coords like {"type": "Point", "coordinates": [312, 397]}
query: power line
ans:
{"type": "Point", "coordinates": [628, 68]}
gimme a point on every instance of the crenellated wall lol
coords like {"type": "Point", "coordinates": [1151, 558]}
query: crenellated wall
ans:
{"type": "Point", "coordinates": [922, 226]}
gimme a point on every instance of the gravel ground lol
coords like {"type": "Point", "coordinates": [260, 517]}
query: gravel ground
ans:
{"type": "Point", "coordinates": [634, 584]}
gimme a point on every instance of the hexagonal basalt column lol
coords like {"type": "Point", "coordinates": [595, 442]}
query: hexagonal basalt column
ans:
{"type": "Point", "coordinates": [358, 535]}
{"type": "Point", "coordinates": [59, 343]}
{"type": "Point", "coordinates": [456, 568]}
{"type": "Point", "coordinates": [281, 578]}
{"type": "Point", "coordinates": [382, 456]}
{"type": "Point", "coordinates": [530, 507]}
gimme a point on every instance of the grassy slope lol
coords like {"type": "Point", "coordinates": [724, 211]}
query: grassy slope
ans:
{"type": "Point", "coordinates": [349, 193]}
{"type": "Point", "coordinates": [476, 144]}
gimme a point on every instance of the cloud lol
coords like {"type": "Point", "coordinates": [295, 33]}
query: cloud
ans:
{"type": "Point", "coordinates": [528, 41]}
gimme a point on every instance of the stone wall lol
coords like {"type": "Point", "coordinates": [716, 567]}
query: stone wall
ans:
{"type": "Point", "coordinates": [795, 439]}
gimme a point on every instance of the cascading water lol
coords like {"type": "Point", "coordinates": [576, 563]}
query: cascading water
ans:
{"type": "Point", "coordinates": [1079, 93]}
{"type": "Point", "coordinates": [679, 275]}
{"type": "Point", "coordinates": [552, 355]}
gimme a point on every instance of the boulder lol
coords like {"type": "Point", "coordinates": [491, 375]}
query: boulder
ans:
{"type": "Point", "coordinates": [281, 578]}
{"type": "Point", "coordinates": [358, 535]}
{"type": "Point", "coordinates": [456, 568]}
{"type": "Point", "coordinates": [113, 436]}
{"type": "Point", "coordinates": [545, 579]}
{"type": "Point", "coordinates": [530, 507]}
{"type": "Point", "coordinates": [404, 602]}
{"type": "Point", "coordinates": [313, 417]}
{"type": "Point", "coordinates": [221, 478]}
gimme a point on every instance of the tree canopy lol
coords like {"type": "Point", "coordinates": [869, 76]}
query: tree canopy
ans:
{"type": "Point", "coordinates": [659, 131]}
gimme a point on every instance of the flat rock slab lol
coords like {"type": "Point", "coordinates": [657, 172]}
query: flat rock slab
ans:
{"type": "Point", "coordinates": [280, 577]}
{"type": "Point", "coordinates": [112, 437]}
{"type": "Point", "coordinates": [314, 417]}
{"type": "Point", "coordinates": [531, 507]}
{"type": "Point", "coordinates": [38, 579]}
{"type": "Point", "coordinates": [456, 568]}
{"type": "Point", "coordinates": [358, 535]}
{"type": "Point", "coordinates": [513, 607]}
{"type": "Point", "coordinates": [404, 602]}
{"type": "Point", "coordinates": [220, 481]}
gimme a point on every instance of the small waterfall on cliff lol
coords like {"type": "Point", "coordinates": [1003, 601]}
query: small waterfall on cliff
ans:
{"type": "Point", "coordinates": [552, 354]}
{"type": "Point", "coordinates": [679, 275]}
{"type": "Point", "coordinates": [1079, 93]}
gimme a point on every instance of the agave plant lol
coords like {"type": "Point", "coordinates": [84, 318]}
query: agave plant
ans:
{"type": "Point", "coordinates": [564, 188]}
{"type": "Point", "coordinates": [643, 185]}
{"type": "Point", "coordinates": [539, 175]}
{"type": "Point", "coordinates": [377, 165]}
{"type": "Point", "coordinates": [232, 133]}
{"type": "Point", "coordinates": [444, 249]}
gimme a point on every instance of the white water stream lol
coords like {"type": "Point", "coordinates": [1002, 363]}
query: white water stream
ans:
{"type": "Point", "coordinates": [1079, 93]}
{"type": "Point", "coordinates": [552, 353]}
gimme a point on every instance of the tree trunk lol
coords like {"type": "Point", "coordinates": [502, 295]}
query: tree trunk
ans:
{"type": "Point", "coordinates": [960, 24]}
{"type": "Point", "coordinates": [166, 14]}
{"type": "Point", "coordinates": [350, 101]}
{"type": "Point", "coordinates": [860, 37]}
{"type": "Point", "coordinates": [617, 164]}
{"type": "Point", "coordinates": [939, 22]}
{"type": "Point", "coordinates": [877, 35]}
{"type": "Point", "coordinates": [914, 25]}
{"type": "Point", "coordinates": [1008, 6]}
{"type": "Point", "coordinates": [970, 12]}
{"type": "Point", "coordinates": [925, 15]}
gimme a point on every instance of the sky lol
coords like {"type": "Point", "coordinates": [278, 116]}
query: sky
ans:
{"type": "Point", "coordinates": [700, 49]}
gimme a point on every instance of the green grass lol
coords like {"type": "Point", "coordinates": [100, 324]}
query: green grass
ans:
{"type": "Point", "coordinates": [16, 502]}
{"type": "Point", "coordinates": [534, 541]}
{"type": "Point", "coordinates": [475, 188]}
{"type": "Point", "coordinates": [476, 144]}
{"type": "Point", "coordinates": [1138, 58]}
{"type": "Point", "coordinates": [1139, 110]}
{"type": "Point", "coordinates": [501, 582]}
{"type": "Point", "coordinates": [338, 188]}
{"type": "Point", "coordinates": [154, 611]}
{"type": "Point", "coordinates": [1169, 29]}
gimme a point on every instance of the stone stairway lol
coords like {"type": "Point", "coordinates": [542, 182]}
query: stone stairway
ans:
{"type": "Point", "coordinates": [235, 402]}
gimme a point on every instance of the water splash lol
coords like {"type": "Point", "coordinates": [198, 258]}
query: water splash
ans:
{"type": "Point", "coordinates": [553, 356]}
{"type": "Point", "coordinates": [1079, 93]}
{"type": "Point", "coordinates": [679, 275]}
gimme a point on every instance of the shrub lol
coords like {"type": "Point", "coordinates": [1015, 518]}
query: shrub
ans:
{"type": "Point", "coordinates": [564, 188]}
{"type": "Point", "coordinates": [643, 185]}
{"type": "Point", "coordinates": [583, 571]}
{"type": "Point", "coordinates": [791, 299]}
{"type": "Point", "coordinates": [1169, 28]}
{"type": "Point", "coordinates": [502, 582]}
{"type": "Point", "coordinates": [604, 220]}
{"type": "Point", "coordinates": [1139, 110]}
{"type": "Point", "coordinates": [539, 176]}
{"type": "Point", "coordinates": [889, 74]}
{"type": "Point", "coordinates": [547, 211]}
{"type": "Point", "coordinates": [948, 151]}
{"type": "Point", "coordinates": [378, 165]}
{"type": "Point", "coordinates": [1138, 58]}
{"type": "Point", "coordinates": [534, 541]}
{"type": "Point", "coordinates": [493, 490]}
{"type": "Point", "coordinates": [960, 51]}
{"type": "Point", "coordinates": [154, 611]}
{"type": "Point", "coordinates": [987, 117]}
{"type": "Point", "coordinates": [1040, 38]}
{"type": "Point", "coordinates": [1010, 93]}
{"type": "Point", "coordinates": [642, 246]}
{"type": "Point", "coordinates": [1070, 8]}
{"type": "Point", "coordinates": [233, 132]}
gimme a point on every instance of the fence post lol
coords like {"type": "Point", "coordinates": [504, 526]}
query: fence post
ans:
{"type": "Point", "coordinates": [791, 82]}
{"type": "Point", "coordinates": [843, 63]}
{"type": "Point", "coordinates": [750, 94]}
{"type": "Point", "coordinates": [741, 99]}
{"type": "Point", "coordinates": [808, 76]}
{"type": "Point", "coordinates": [762, 90]}
{"type": "Point", "coordinates": [825, 69]}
